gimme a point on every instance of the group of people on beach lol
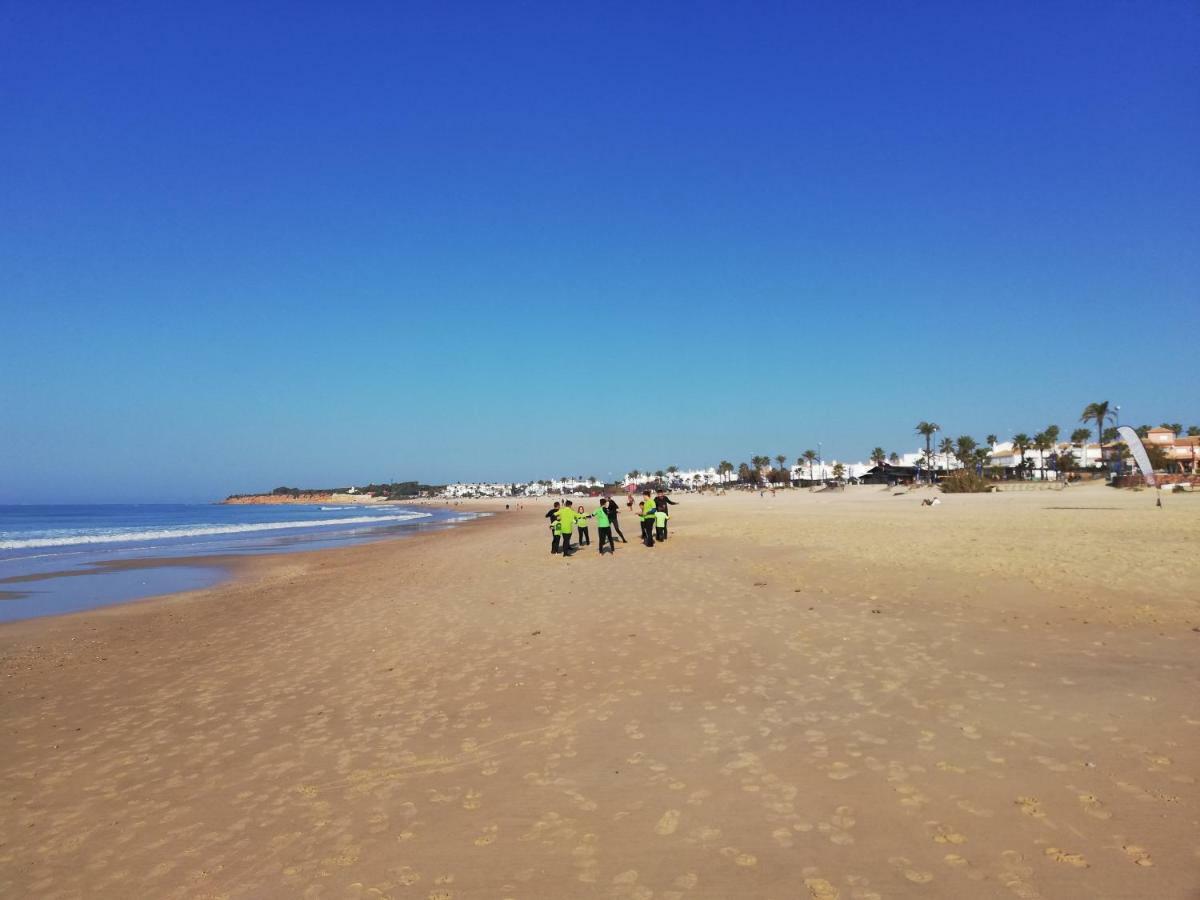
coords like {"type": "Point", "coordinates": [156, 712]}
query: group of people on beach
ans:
{"type": "Point", "coordinates": [566, 520]}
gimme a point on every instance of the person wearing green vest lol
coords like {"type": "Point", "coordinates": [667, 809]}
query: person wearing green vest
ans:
{"type": "Point", "coordinates": [647, 517]}
{"type": "Point", "coordinates": [566, 527]}
{"type": "Point", "coordinates": [585, 538]}
{"type": "Point", "coordinates": [660, 523]}
{"type": "Point", "coordinates": [603, 527]}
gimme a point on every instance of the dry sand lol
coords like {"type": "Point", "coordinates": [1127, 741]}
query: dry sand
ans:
{"type": "Point", "coordinates": [813, 695]}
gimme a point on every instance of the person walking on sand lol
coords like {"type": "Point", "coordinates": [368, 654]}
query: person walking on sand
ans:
{"type": "Point", "coordinates": [585, 538]}
{"type": "Point", "coordinates": [661, 502]}
{"type": "Point", "coordinates": [603, 528]}
{"type": "Point", "coordinates": [647, 517]}
{"type": "Point", "coordinates": [613, 509]}
{"type": "Point", "coordinates": [556, 539]}
{"type": "Point", "coordinates": [566, 526]}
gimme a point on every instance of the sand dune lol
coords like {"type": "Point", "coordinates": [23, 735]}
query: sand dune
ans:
{"type": "Point", "coordinates": [812, 695]}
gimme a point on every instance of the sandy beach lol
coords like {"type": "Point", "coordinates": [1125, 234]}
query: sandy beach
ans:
{"type": "Point", "coordinates": [825, 695]}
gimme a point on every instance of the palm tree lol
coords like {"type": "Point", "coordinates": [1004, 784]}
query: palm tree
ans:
{"type": "Point", "coordinates": [838, 471]}
{"type": "Point", "coordinates": [894, 458]}
{"type": "Point", "coordinates": [672, 469]}
{"type": "Point", "coordinates": [724, 467]}
{"type": "Point", "coordinates": [964, 449]}
{"type": "Point", "coordinates": [1042, 443]}
{"type": "Point", "coordinates": [878, 456]}
{"type": "Point", "coordinates": [810, 456]}
{"type": "Point", "coordinates": [634, 476]}
{"type": "Point", "coordinates": [927, 430]}
{"type": "Point", "coordinates": [992, 439]}
{"type": "Point", "coordinates": [745, 473]}
{"type": "Point", "coordinates": [781, 459]}
{"type": "Point", "coordinates": [946, 448]}
{"type": "Point", "coordinates": [1098, 413]}
{"type": "Point", "coordinates": [1021, 444]}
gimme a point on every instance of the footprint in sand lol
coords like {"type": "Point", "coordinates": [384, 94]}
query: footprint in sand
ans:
{"type": "Point", "coordinates": [840, 771]}
{"type": "Point", "coordinates": [1062, 856]}
{"type": "Point", "coordinates": [740, 858]}
{"type": "Point", "coordinates": [1093, 807]}
{"type": "Point", "coordinates": [916, 876]}
{"type": "Point", "coordinates": [943, 834]}
{"type": "Point", "coordinates": [1029, 806]}
{"type": "Point", "coordinates": [820, 889]}
{"type": "Point", "coordinates": [1015, 874]}
{"type": "Point", "coordinates": [668, 823]}
{"type": "Point", "coordinates": [1139, 856]}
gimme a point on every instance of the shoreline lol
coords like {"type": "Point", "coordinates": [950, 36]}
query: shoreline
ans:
{"type": "Point", "coordinates": [219, 564]}
{"type": "Point", "coordinates": [849, 690]}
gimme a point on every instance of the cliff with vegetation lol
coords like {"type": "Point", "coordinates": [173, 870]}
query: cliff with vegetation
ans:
{"type": "Point", "coordinates": [372, 493]}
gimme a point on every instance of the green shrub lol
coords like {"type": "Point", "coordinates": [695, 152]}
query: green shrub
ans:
{"type": "Point", "coordinates": [965, 483]}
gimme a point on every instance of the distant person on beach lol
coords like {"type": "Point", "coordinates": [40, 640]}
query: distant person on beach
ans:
{"type": "Point", "coordinates": [661, 502]}
{"type": "Point", "coordinates": [566, 527]}
{"type": "Point", "coordinates": [613, 509]}
{"type": "Point", "coordinates": [585, 538]}
{"type": "Point", "coordinates": [603, 526]}
{"type": "Point", "coordinates": [556, 538]}
{"type": "Point", "coordinates": [647, 518]}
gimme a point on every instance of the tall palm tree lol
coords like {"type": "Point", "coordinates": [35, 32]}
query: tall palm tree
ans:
{"type": "Point", "coordinates": [927, 430]}
{"type": "Point", "coordinates": [1098, 413]}
{"type": "Point", "coordinates": [992, 439]}
{"type": "Point", "coordinates": [964, 449]}
{"type": "Point", "coordinates": [1021, 444]}
{"type": "Point", "coordinates": [946, 448]}
{"type": "Point", "coordinates": [745, 473]}
{"type": "Point", "coordinates": [878, 456]}
{"type": "Point", "coordinates": [810, 457]}
{"type": "Point", "coordinates": [634, 476]}
{"type": "Point", "coordinates": [724, 467]}
{"type": "Point", "coordinates": [894, 457]}
{"type": "Point", "coordinates": [1042, 443]}
{"type": "Point", "coordinates": [781, 459]}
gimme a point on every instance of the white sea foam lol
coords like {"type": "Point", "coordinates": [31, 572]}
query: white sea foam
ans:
{"type": "Point", "coordinates": [116, 535]}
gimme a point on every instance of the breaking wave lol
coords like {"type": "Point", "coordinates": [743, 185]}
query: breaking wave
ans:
{"type": "Point", "coordinates": [116, 536]}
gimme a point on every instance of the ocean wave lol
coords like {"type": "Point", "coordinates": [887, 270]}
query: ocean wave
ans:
{"type": "Point", "coordinates": [113, 536]}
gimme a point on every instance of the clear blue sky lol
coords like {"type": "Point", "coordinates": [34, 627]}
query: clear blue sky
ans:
{"type": "Point", "coordinates": [289, 243]}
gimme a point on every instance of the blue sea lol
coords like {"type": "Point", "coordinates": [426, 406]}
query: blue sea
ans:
{"type": "Point", "coordinates": [56, 559]}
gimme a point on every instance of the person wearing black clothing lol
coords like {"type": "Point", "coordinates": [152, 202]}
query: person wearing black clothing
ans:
{"type": "Point", "coordinates": [661, 502]}
{"type": "Point", "coordinates": [556, 541]}
{"type": "Point", "coordinates": [612, 509]}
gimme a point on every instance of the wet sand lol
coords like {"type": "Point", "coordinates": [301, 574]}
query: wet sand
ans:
{"type": "Point", "coordinates": [812, 695]}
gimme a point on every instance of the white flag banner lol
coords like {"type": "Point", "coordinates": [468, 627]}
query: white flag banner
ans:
{"type": "Point", "coordinates": [1129, 436]}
